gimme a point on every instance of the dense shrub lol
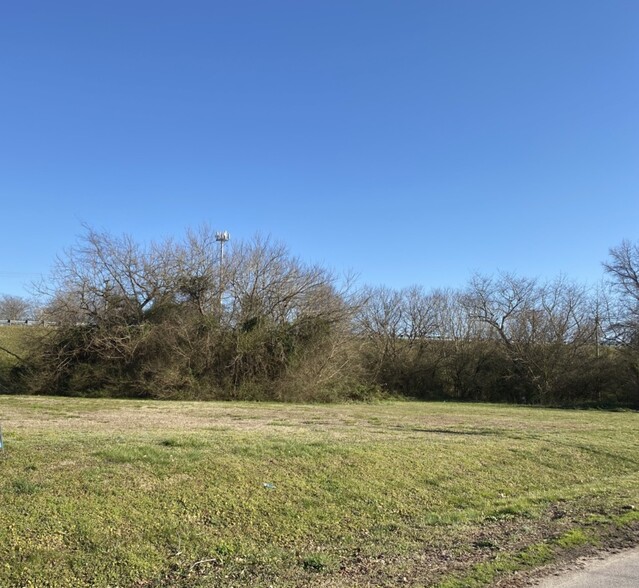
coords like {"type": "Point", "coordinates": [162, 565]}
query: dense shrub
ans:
{"type": "Point", "coordinates": [176, 320]}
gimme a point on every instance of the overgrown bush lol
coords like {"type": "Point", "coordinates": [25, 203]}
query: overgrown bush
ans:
{"type": "Point", "coordinates": [175, 320]}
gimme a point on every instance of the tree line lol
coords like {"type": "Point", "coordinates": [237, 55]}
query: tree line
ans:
{"type": "Point", "coordinates": [175, 319]}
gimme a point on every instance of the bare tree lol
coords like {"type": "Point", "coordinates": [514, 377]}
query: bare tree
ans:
{"type": "Point", "coordinates": [281, 312]}
{"type": "Point", "coordinates": [106, 278]}
{"type": "Point", "coordinates": [401, 332]}
{"type": "Point", "coordinates": [622, 325]}
{"type": "Point", "coordinates": [542, 328]}
{"type": "Point", "coordinates": [623, 271]}
{"type": "Point", "coordinates": [380, 322]}
{"type": "Point", "coordinates": [464, 348]}
{"type": "Point", "coordinates": [16, 308]}
{"type": "Point", "coordinates": [167, 318]}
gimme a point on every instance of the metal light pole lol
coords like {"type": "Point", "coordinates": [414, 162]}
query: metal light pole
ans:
{"type": "Point", "coordinates": [597, 332]}
{"type": "Point", "coordinates": [222, 237]}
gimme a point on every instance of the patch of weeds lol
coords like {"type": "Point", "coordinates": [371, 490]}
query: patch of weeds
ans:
{"type": "Point", "coordinates": [22, 486]}
{"type": "Point", "coordinates": [574, 538]}
{"type": "Point", "coordinates": [187, 442]}
{"type": "Point", "coordinates": [317, 562]}
{"type": "Point", "coordinates": [598, 519]}
{"type": "Point", "coordinates": [535, 555]}
{"type": "Point", "coordinates": [509, 512]}
{"type": "Point", "coordinates": [170, 443]}
{"type": "Point", "coordinates": [484, 574]}
{"type": "Point", "coordinates": [485, 544]}
{"type": "Point", "coordinates": [627, 518]}
{"type": "Point", "coordinates": [224, 549]}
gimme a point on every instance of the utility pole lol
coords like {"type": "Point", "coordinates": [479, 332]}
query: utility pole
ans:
{"type": "Point", "coordinates": [222, 237]}
{"type": "Point", "coordinates": [597, 332]}
{"type": "Point", "coordinates": [597, 323]}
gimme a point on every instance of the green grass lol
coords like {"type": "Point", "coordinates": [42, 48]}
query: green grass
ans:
{"type": "Point", "coordinates": [16, 339]}
{"type": "Point", "coordinates": [15, 342]}
{"type": "Point", "coordinates": [102, 492]}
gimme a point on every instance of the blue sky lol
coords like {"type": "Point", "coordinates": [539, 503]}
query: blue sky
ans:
{"type": "Point", "coordinates": [409, 141]}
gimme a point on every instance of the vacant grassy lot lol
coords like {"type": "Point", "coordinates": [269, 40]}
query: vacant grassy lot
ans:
{"type": "Point", "coordinates": [149, 494]}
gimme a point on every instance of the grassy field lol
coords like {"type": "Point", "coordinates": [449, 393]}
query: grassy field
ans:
{"type": "Point", "coordinates": [149, 494]}
{"type": "Point", "coordinates": [15, 340]}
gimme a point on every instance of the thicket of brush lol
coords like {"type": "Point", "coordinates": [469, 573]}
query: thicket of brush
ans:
{"type": "Point", "coordinates": [177, 320]}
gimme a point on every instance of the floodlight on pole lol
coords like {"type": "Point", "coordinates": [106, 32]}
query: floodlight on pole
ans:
{"type": "Point", "coordinates": [222, 237]}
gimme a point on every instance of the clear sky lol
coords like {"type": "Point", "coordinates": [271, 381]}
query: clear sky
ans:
{"type": "Point", "coordinates": [410, 141]}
